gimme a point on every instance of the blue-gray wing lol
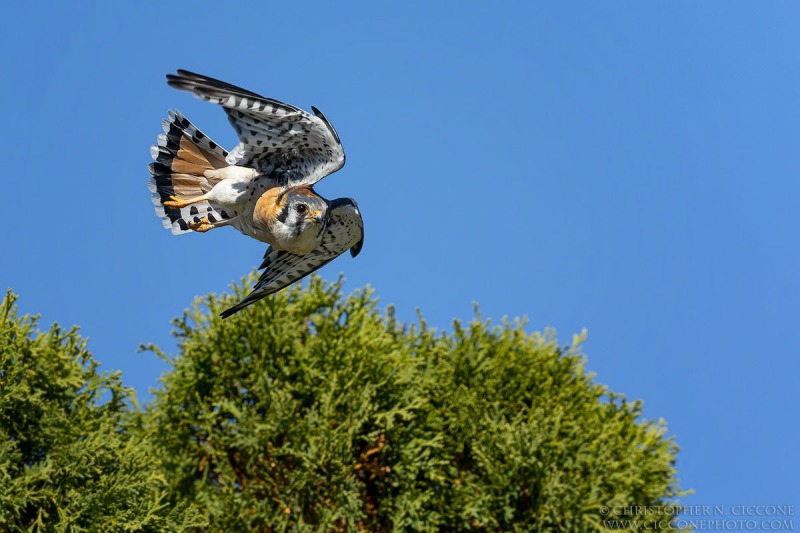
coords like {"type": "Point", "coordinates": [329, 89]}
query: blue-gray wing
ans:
{"type": "Point", "coordinates": [279, 139]}
{"type": "Point", "coordinates": [343, 231]}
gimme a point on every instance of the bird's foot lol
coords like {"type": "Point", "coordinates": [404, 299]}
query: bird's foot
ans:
{"type": "Point", "coordinates": [174, 201]}
{"type": "Point", "coordinates": [201, 226]}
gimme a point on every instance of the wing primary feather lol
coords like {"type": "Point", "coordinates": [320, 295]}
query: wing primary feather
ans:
{"type": "Point", "coordinates": [206, 86]}
{"type": "Point", "coordinates": [185, 79]}
{"type": "Point", "coordinates": [327, 122]}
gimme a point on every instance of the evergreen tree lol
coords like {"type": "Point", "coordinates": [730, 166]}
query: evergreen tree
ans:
{"type": "Point", "coordinates": [67, 461]}
{"type": "Point", "coordinates": [314, 411]}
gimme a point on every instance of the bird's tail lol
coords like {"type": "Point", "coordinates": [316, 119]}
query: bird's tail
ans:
{"type": "Point", "coordinates": [182, 156]}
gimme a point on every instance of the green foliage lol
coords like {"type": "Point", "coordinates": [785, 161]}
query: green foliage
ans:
{"type": "Point", "coordinates": [314, 411]}
{"type": "Point", "coordinates": [66, 461]}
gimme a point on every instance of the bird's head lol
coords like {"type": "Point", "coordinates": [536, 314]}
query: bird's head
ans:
{"type": "Point", "coordinates": [296, 218]}
{"type": "Point", "coordinates": [304, 210]}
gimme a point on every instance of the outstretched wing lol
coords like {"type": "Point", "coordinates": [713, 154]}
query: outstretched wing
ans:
{"type": "Point", "coordinates": [294, 146]}
{"type": "Point", "coordinates": [344, 231]}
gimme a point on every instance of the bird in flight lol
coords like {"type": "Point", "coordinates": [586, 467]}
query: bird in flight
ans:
{"type": "Point", "coordinates": [264, 187]}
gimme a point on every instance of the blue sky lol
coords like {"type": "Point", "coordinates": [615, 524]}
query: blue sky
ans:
{"type": "Point", "coordinates": [628, 167]}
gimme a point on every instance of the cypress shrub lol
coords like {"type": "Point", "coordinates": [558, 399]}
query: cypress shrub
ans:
{"type": "Point", "coordinates": [68, 461]}
{"type": "Point", "coordinates": [316, 411]}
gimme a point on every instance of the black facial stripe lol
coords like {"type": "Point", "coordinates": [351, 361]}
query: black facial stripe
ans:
{"type": "Point", "coordinates": [283, 215]}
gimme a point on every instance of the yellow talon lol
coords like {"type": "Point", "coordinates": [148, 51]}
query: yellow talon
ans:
{"type": "Point", "coordinates": [201, 226]}
{"type": "Point", "coordinates": [174, 201]}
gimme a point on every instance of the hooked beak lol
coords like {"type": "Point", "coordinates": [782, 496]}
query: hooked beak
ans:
{"type": "Point", "coordinates": [316, 216]}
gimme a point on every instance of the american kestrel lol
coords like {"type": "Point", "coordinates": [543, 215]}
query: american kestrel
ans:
{"type": "Point", "coordinates": [264, 187]}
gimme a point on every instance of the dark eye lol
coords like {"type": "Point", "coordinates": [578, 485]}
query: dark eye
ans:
{"type": "Point", "coordinates": [302, 209]}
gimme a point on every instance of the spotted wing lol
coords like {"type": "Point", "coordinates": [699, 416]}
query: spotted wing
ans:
{"type": "Point", "coordinates": [294, 146]}
{"type": "Point", "coordinates": [344, 231]}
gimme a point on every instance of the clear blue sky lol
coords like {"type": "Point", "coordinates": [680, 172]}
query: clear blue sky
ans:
{"type": "Point", "coordinates": [632, 168]}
